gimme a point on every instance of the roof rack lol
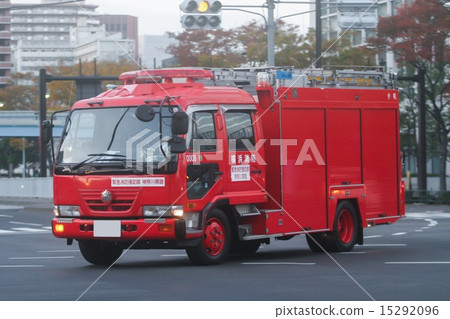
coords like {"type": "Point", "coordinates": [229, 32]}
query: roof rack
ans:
{"type": "Point", "coordinates": [333, 76]}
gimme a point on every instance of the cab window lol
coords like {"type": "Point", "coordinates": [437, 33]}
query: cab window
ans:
{"type": "Point", "coordinates": [203, 137]}
{"type": "Point", "coordinates": [240, 130]}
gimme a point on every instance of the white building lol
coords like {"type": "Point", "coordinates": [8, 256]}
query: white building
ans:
{"type": "Point", "coordinates": [152, 50]}
{"type": "Point", "coordinates": [331, 29]}
{"type": "Point", "coordinates": [92, 42]}
{"type": "Point", "coordinates": [62, 34]}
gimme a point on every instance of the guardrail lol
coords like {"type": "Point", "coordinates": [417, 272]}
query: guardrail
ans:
{"type": "Point", "coordinates": [39, 187]}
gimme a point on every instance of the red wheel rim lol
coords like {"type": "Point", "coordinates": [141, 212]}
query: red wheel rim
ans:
{"type": "Point", "coordinates": [214, 238]}
{"type": "Point", "coordinates": [345, 226]}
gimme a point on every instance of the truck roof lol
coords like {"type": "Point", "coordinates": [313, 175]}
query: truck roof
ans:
{"type": "Point", "coordinates": [157, 85]}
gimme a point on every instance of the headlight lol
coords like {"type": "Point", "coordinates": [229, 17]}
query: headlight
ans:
{"type": "Point", "coordinates": [66, 211]}
{"type": "Point", "coordinates": [162, 211]}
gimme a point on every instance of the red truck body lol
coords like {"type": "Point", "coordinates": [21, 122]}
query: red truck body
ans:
{"type": "Point", "coordinates": [317, 160]}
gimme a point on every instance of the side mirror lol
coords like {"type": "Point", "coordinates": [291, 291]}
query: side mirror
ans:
{"type": "Point", "coordinates": [145, 113]}
{"type": "Point", "coordinates": [47, 131]}
{"type": "Point", "coordinates": [177, 145]}
{"type": "Point", "coordinates": [180, 123]}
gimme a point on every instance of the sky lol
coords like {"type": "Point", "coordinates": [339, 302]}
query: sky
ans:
{"type": "Point", "coordinates": [166, 15]}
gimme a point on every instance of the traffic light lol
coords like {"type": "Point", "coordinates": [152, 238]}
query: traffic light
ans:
{"type": "Point", "coordinates": [201, 14]}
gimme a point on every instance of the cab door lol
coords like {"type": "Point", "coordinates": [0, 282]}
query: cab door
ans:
{"type": "Point", "coordinates": [245, 171]}
{"type": "Point", "coordinates": [204, 167]}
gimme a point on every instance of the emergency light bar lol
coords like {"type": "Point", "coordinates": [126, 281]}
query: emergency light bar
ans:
{"type": "Point", "coordinates": [156, 76]}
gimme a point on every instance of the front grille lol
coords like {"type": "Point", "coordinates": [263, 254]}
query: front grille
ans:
{"type": "Point", "coordinates": [121, 201]}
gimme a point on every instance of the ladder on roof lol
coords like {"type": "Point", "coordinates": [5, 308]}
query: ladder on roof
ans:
{"type": "Point", "coordinates": [356, 77]}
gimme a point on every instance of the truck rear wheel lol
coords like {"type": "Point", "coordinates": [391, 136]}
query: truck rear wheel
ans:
{"type": "Point", "coordinates": [215, 244]}
{"type": "Point", "coordinates": [99, 252]}
{"type": "Point", "coordinates": [344, 235]}
{"type": "Point", "coordinates": [346, 228]}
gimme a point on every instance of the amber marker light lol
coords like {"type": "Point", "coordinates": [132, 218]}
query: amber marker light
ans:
{"type": "Point", "coordinates": [165, 228]}
{"type": "Point", "coordinates": [59, 228]}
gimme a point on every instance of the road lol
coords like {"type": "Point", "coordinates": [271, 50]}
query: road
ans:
{"type": "Point", "coordinates": [409, 260]}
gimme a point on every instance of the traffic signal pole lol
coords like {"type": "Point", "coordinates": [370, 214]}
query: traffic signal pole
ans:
{"type": "Point", "coordinates": [270, 33]}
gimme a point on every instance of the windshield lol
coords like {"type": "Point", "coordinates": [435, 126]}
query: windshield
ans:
{"type": "Point", "coordinates": [105, 139]}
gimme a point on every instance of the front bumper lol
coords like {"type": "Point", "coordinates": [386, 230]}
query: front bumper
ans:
{"type": "Point", "coordinates": [130, 229]}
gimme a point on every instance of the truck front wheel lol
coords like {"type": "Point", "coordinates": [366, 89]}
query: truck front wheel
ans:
{"type": "Point", "coordinates": [99, 252]}
{"type": "Point", "coordinates": [215, 243]}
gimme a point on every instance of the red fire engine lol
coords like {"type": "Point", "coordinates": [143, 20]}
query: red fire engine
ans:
{"type": "Point", "coordinates": [167, 161]}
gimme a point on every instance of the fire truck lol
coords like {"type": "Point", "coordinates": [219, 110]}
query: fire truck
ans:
{"type": "Point", "coordinates": [190, 159]}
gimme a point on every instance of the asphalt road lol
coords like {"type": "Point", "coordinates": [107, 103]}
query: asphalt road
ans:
{"type": "Point", "coordinates": [409, 260]}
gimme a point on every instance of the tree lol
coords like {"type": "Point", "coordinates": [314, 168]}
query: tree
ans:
{"type": "Point", "coordinates": [342, 52]}
{"type": "Point", "coordinates": [22, 93]}
{"type": "Point", "coordinates": [205, 48]}
{"type": "Point", "coordinates": [63, 93]}
{"type": "Point", "coordinates": [418, 35]}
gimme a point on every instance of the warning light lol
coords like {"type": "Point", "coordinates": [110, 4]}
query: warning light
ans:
{"type": "Point", "coordinates": [59, 228]}
{"type": "Point", "coordinates": [203, 6]}
{"type": "Point", "coordinates": [165, 228]}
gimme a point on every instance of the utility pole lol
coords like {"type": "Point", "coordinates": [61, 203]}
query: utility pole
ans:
{"type": "Point", "coordinates": [270, 33]}
{"type": "Point", "coordinates": [318, 35]}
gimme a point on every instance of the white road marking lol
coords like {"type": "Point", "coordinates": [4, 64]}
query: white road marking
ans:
{"type": "Point", "coordinates": [352, 252]}
{"type": "Point", "coordinates": [418, 262]}
{"type": "Point", "coordinates": [22, 223]}
{"type": "Point", "coordinates": [21, 266]}
{"type": "Point", "coordinates": [2, 231]}
{"type": "Point", "coordinates": [399, 234]}
{"type": "Point", "coordinates": [8, 216]}
{"type": "Point", "coordinates": [385, 245]}
{"type": "Point", "coordinates": [428, 214]}
{"type": "Point", "coordinates": [11, 207]}
{"type": "Point", "coordinates": [175, 255]}
{"type": "Point", "coordinates": [279, 263]}
{"type": "Point", "coordinates": [419, 230]}
{"type": "Point", "coordinates": [58, 251]}
{"type": "Point", "coordinates": [432, 222]}
{"type": "Point", "coordinates": [372, 236]}
{"type": "Point", "coordinates": [28, 229]}
{"type": "Point", "coordinates": [54, 257]}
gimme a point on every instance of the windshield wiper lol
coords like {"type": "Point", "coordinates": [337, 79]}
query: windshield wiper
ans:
{"type": "Point", "coordinates": [93, 156]}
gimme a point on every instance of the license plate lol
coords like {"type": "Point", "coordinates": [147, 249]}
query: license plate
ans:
{"type": "Point", "coordinates": [106, 228]}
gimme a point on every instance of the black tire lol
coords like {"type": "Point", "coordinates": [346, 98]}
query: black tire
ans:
{"type": "Point", "coordinates": [99, 252]}
{"type": "Point", "coordinates": [318, 242]}
{"type": "Point", "coordinates": [345, 228]}
{"type": "Point", "coordinates": [246, 247]}
{"type": "Point", "coordinates": [215, 245]}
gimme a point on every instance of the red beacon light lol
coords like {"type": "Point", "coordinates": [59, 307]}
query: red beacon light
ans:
{"type": "Point", "coordinates": [157, 76]}
{"type": "Point", "coordinates": [262, 79]}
